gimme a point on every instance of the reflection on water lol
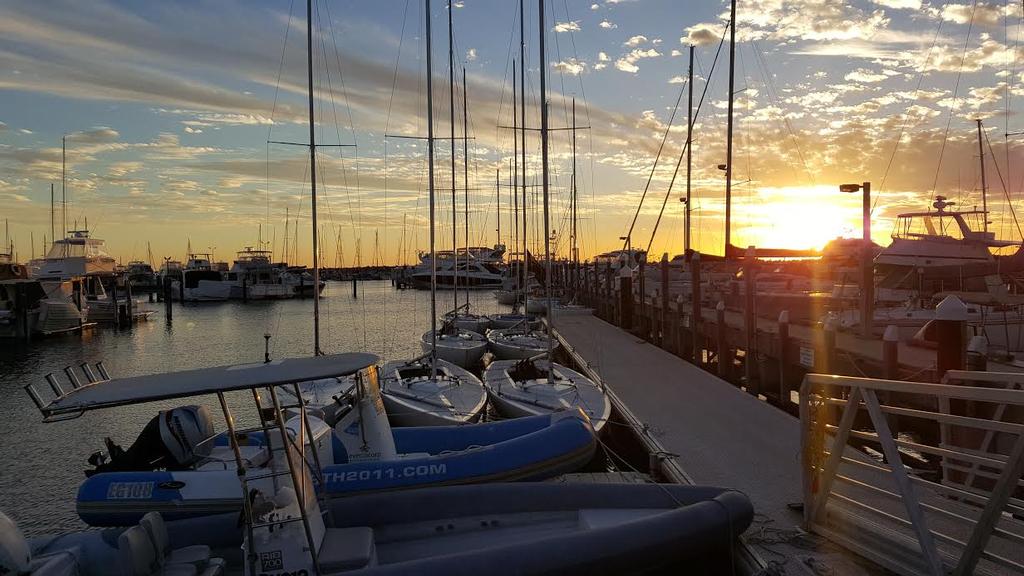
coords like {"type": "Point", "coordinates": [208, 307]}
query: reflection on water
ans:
{"type": "Point", "coordinates": [43, 463]}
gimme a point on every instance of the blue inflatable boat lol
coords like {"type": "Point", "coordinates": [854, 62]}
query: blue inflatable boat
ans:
{"type": "Point", "coordinates": [354, 458]}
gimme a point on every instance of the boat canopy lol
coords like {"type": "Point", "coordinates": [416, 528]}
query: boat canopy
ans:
{"type": "Point", "coordinates": [138, 389]}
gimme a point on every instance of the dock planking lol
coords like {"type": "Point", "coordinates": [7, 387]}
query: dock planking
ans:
{"type": "Point", "coordinates": [719, 435]}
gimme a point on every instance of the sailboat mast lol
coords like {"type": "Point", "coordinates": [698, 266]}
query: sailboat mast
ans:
{"type": "Point", "coordinates": [465, 174]}
{"type": "Point", "coordinates": [575, 248]}
{"type": "Point", "coordinates": [729, 127]}
{"type": "Point", "coordinates": [52, 226]}
{"type": "Point", "coordinates": [515, 178]}
{"type": "Point", "coordinates": [430, 186]}
{"type": "Point", "coordinates": [497, 191]}
{"type": "Point", "coordinates": [284, 249]}
{"type": "Point", "coordinates": [312, 179]}
{"type": "Point", "coordinates": [451, 118]}
{"type": "Point", "coordinates": [689, 157]}
{"type": "Point", "coordinates": [522, 140]}
{"type": "Point", "coordinates": [984, 185]}
{"type": "Point", "coordinates": [544, 179]}
{"type": "Point", "coordinates": [64, 191]}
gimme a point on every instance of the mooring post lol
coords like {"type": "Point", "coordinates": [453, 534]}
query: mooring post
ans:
{"type": "Point", "coordinates": [626, 298]}
{"type": "Point", "coordinates": [302, 286]}
{"type": "Point", "coordinates": [891, 353]}
{"type": "Point", "coordinates": [129, 300]}
{"type": "Point", "coordinates": [608, 293]}
{"type": "Point", "coordinates": [113, 300]}
{"type": "Point", "coordinates": [181, 287]}
{"type": "Point", "coordinates": [724, 357]}
{"type": "Point", "coordinates": [696, 314]}
{"type": "Point", "coordinates": [682, 330]}
{"type": "Point", "coordinates": [168, 314]}
{"type": "Point", "coordinates": [750, 321]}
{"type": "Point", "coordinates": [891, 370]}
{"type": "Point", "coordinates": [642, 281]}
{"type": "Point", "coordinates": [784, 354]}
{"type": "Point", "coordinates": [22, 330]}
{"type": "Point", "coordinates": [828, 356]}
{"type": "Point", "coordinates": [664, 298]}
{"type": "Point", "coordinates": [355, 288]}
{"type": "Point", "coordinates": [950, 327]}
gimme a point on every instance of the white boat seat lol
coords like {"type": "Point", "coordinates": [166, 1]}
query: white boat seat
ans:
{"type": "Point", "coordinates": [196, 556]}
{"type": "Point", "coordinates": [347, 549]}
{"type": "Point", "coordinates": [137, 554]}
{"type": "Point", "coordinates": [60, 563]}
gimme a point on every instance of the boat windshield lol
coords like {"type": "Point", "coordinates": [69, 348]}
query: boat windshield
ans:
{"type": "Point", "coordinates": [918, 226]}
{"type": "Point", "coordinates": [75, 248]}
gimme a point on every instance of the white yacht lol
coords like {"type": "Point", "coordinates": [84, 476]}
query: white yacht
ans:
{"type": "Point", "coordinates": [465, 272]}
{"type": "Point", "coordinates": [202, 283]}
{"type": "Point", "coordinates": [75, 255]}
{"type": "Point", "coordinates": [253, 276]}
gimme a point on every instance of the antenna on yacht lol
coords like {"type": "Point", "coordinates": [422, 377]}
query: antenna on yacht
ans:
{"type": "Point", "coordinates": [430, 185]}
{"type": "Point", "coordinates": [544, 180]}
{"type": "Point", "coordinates": [984, 186]}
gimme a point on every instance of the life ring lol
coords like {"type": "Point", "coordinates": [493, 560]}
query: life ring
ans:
{"type": "Point", "coordinates": [16, 269]}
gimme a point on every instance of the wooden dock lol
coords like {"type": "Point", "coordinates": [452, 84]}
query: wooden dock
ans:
{"type": "Point", "coordinates": [714, 434]}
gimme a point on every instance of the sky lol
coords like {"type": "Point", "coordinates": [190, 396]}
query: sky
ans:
{"type": "Point", "coordinates": [166, 109]}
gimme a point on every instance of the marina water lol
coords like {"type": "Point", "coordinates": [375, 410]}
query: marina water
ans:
{"type": "Point", "coordinates": [44, 463]}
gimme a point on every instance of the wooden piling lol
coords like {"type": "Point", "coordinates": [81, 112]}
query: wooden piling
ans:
{"type": "Point", "coordinates": [664, 299]}
{"type": "Point", "coordinates": [722, 348]}
{"type": "Point", "coordinates": [626, 298]}
{"type": "Point", "coordinates": [950, 326]}
{"type": "Point", "coordinates": [695, 313]}
{"type": "Point", "coordinates": [750, 321]}
{"type": "Point", "coordinates": [891, 353]}
{"type": "Point", "coordinates": [168, 314]}
{"type": "Point", "coordinates": [784, 354]}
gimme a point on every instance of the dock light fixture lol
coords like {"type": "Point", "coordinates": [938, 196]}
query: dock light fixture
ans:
{"type": "Point", "coordinates": [867, 280]}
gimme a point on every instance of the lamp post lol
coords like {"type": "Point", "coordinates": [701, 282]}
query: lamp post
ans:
{"type": "Point", "coordinates": [867, 279]}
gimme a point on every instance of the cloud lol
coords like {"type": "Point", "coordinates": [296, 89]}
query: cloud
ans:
{"type": "Point", "coordinates": [703, 34]}
{"type": "Point", "coordinates": [595, 6]}
{"type": "Point", "coordinates": [191, 130]}
{"type": "Point", "coordinates": [607, 25]}
{"type": "Point", "coordinates": [94, 135]}
{"type": "Point", "coordinates": [3, 127]}
{"type": "Point", "coordinates": [900, 4]}
{"type": "Point", "coordinates": [865, 76]}
{"type": "Point", "coordinates": [572, 26]}
{"type": "Point", "coordinates": [635, 41]}
{"type": "Point", "coordinates": [571, 66]}
{"type": "Point", "coordinates": [628, 62]}
{"type": "Point", "coordinates": [471, 55]}
{"type": "Point", "coordinates": [982, 14]}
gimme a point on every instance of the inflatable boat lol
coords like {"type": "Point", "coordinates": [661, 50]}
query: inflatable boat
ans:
{"type": "Point", "coordinates": [181, 468]}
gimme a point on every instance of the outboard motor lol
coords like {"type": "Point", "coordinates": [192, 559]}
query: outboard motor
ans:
{"type": "Point", "coordinates": [172, 440]}
{"type": "Point", "coordinates": [15, 555]}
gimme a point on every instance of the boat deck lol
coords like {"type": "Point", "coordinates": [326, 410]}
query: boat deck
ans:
{"type": "Point", "coordinates": [717, 435]}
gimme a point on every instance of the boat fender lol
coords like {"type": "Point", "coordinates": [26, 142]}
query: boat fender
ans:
{"type": "Point", "coordinates": [16, 270]}
{"type": "Point", "coordinates": [15, 556]}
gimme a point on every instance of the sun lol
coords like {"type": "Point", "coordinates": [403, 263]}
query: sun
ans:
{"type": "Point", "coordinates": [798, 217]}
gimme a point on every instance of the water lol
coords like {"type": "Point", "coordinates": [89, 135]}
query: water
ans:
{"type": "Point", "coordinates": [43, 464]}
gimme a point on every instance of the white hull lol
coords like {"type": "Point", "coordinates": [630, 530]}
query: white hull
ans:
{"type": "Point", "coordinates": [205, 291]}
{"type": "Point", "coordinates": [516, 397]}
{"type": "Point", "coordinates": [514, 344]}
{"type": "Point", "coordinates": [464, 349]}
{"type": "Point", "coordinates": [412, 398]}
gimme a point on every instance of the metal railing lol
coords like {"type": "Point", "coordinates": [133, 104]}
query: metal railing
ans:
{"type": "Point", "coordinates": [944, 496]}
